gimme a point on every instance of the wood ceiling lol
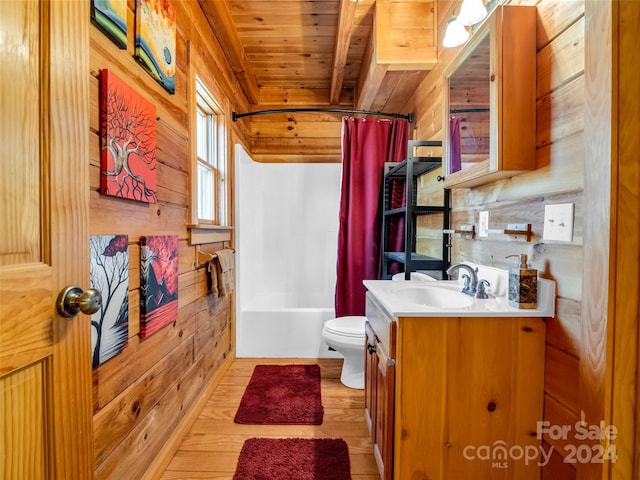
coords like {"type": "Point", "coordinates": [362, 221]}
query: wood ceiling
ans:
{"type": "Point", "coordinates": [320, 52]}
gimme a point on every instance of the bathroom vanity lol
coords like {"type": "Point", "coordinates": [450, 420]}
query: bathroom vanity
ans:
{"type": "Point", "coordinates": [454, 385]}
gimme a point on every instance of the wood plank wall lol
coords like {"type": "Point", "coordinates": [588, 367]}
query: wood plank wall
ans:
{"type": "Point", "coordinates": [142, 394]}
{"type": "Point", "coordinates": [558, 178]}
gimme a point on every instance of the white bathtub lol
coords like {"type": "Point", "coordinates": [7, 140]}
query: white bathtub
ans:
{"type": "Point", "coordinates": [286, 232]}
{"type": "Point", "coordinates": [269, 328]}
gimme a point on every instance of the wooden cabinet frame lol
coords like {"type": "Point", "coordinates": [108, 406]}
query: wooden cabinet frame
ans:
{"type": "Point", "coordinates": [512, 92]}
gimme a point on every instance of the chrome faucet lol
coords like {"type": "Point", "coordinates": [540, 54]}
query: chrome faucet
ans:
{"type": "Point", "coordinates": [471, 281]}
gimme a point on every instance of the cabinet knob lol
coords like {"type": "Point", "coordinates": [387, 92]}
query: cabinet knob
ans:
{"type": "Point", "coordinates": [371, 349]}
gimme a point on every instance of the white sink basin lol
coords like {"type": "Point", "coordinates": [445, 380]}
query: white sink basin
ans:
{"type": "Point", "coordinates": [436, 297]}
{"type": "Point", "coordinates": [443, 298]}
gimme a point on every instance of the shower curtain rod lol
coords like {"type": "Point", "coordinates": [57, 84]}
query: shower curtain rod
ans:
{"type": "Point", "coordinates": [408, 117]}
{"type": "Point", "coordinates": [469, 110]}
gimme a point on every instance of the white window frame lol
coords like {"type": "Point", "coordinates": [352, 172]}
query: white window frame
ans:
{"type": "Point", "coordinates": [204, 101]}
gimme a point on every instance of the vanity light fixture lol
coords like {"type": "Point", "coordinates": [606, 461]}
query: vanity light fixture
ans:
{"type": "Point", "coordinates": [472, 12]}
{"type": "Point", "coordinates": [455, 34]}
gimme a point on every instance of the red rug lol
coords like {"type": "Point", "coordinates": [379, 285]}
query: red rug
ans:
{"type": "Point", "coordinates": [282, 395]}
{"type": "Point", "coordinates": [293, 459]}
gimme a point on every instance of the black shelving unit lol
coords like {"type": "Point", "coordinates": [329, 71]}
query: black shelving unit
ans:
{"type": "Point", "coordinates": [408, 171]}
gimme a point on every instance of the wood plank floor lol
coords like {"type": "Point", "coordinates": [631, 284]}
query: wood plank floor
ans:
{"type": "Point", "coordinates": [211, 448]}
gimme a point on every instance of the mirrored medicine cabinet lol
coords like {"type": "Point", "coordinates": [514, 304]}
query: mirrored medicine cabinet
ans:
{"type": "Point", "coordinates": [490, 101]}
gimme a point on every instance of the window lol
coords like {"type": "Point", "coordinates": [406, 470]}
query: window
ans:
{"type": "Point", "coordinates": [211, 158]}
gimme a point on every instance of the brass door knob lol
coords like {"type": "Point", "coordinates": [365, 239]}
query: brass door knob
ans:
{"type": "Point", "coordinates": [72, 300]}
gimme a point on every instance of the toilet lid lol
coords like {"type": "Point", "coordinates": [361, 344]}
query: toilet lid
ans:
{"type": "Point", "coordinates": [346, 326]}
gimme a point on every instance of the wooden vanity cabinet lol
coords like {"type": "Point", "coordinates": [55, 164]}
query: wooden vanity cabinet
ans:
{"type": "Point", "coordinates": [380, 386]}
{"type": "Point", "coordinates": [451, 386]}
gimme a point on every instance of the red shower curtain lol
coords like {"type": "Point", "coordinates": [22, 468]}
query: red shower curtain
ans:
{"type": "Point", "coordinates": [366, 146]}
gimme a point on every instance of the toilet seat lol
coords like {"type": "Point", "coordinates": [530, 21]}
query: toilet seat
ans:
{"type": "Point", "coordinates": [352, 327]}
{"type": "Point", "coordinates": [346, 335]}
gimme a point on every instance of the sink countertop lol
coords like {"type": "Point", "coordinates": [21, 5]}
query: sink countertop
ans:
{"type": "Point", "coordinates": [392, 294]}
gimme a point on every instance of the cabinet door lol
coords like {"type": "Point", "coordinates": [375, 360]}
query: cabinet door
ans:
{"type": "Point", "coordinates": [370, 377]}
{"type": "Point", "coordinates": [490, 101]}
{"type": "Point", "coordinates": [384, 412]}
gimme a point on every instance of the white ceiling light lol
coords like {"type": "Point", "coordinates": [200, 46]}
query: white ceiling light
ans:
{"type": "Point", "coordinates": [472, 12]}
{"type": "Point", "coordinates": [455, 34]}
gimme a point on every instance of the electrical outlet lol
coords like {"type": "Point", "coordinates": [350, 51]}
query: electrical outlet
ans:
{"type": "Point", "coordinates": [483, 224]}
{"type": "Point", "coordinates": [558, 222]}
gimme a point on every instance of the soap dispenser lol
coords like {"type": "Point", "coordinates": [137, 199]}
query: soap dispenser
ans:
{"type": "Point", "coordinates": [523, 284]}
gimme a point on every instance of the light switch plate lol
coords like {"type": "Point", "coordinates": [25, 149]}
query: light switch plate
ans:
{"type": "Point", "coordinates": [483, 224]}
{"type": "Point", "coordinates": [558, 222]}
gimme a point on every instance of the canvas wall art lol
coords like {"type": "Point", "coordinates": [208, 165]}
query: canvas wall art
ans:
{"type": "Point", "coordinates": [156, 40]}
{"type": "Point", "coordinates": [110, 276]}
{"type": "Point", "coordinates": [110, 16]}
{"type": "Point", "coordinates": [128, 134]}
{"type": "Point", "coordinates": [158, 282]}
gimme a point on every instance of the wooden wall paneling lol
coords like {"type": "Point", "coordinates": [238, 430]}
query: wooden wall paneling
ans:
{"type": "Point", "coordinates": [157, 379]}
{"type": "Point", "coordinates": [554, 17]}
{"type": "Point", "coordinates": [275, 97]}
{"type": "Point", "coordinates": [561, 378]}
{"type": "Point", "coordinates": [134, 313]}
{"type": "Point", "coordinates": [625, 242]}
{"type": "Point", "coordinates": [212, 341]}
{"type": "Point", "coordinates": [332, 129]}
{"type": "Point", "coordinates": [256, 122]}
{"type": "Point", "coordinates": [410, 81]}
{"type": "Point", "coordinates": [109, 215]}
{"type": "Point", "coordinates": [600, 157]}
{"type": "Point", "coordinates": [563, 330]}
{"type": "Point", "coordinates": [118, 373]}
{"type": "Point", "coordinates": [561, 60]}
{"type": "Point", "coordinates": [113, 422]}
{"type": "Point", "coordinates": [295, 146]}
{"type": "Point", "coordinates": [172, 146]}
{"type": "Point", "coordinates": [561, 113]}
{"type": "Point", "coordinates": [134, 454]}
{"type": "Point", "coordinates": [558, 415]}
{"type": "Point", "coordinates": [556, 468]}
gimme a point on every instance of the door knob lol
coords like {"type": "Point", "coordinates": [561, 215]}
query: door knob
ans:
{"type": "Point", "coordinates": [72, 300]}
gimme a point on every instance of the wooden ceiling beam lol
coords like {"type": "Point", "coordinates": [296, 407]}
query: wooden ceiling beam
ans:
{"type": "Point", "coordinates": [343, 39]}
{"type": "Point", "coordinates": [221, 22]}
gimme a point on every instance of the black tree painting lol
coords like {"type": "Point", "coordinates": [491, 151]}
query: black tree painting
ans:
{"type": "Point", "coordinates": [110, 275]}
{"type": "Point", "coordinates": [128, 131]}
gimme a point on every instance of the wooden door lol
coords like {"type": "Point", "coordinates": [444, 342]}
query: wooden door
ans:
{"type": "Point", "coordinates": [45, 359]}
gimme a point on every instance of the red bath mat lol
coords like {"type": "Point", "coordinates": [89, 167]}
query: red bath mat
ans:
{"type": "Point", "coordinates": [282, 395]}
{"type": "Point", "coordinates": [293, 459]}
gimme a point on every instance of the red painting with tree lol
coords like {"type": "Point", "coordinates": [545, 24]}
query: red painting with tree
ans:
{"type": "Point", "coordinates": [128, 150]}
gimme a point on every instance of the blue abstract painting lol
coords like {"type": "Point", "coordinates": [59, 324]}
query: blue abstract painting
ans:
{"type": "Point", "coordinates": [110, 16]}
{"type": "Point", "coordinates": [156, 40]}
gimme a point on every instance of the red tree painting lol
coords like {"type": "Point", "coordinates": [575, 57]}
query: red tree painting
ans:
{"type": "Point", "coordinates": [128, 131]}
{"type": "Point", "coordinates": [158, 282]}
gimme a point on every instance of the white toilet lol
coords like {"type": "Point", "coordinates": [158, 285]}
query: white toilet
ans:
{"type": "Point", "coordinates": [346, 336]}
